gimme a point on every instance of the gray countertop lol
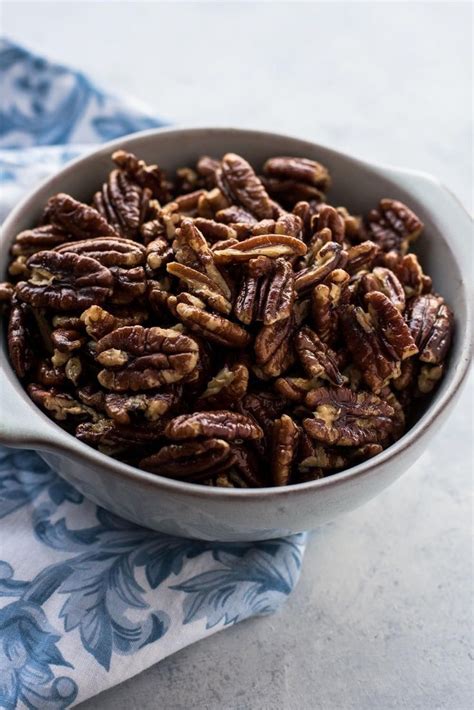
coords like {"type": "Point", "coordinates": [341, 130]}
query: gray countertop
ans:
{"type": "Point", "coordinates": [380, 618]}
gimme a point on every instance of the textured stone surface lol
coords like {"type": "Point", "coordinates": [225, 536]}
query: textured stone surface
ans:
{"type": "Point", "coordinates": [379, 620]}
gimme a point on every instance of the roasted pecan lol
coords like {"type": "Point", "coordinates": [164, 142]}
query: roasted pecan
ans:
{"type": "Point", "coordinates": [123, 407]}
{"type": "Point", "coordinates": [158, 253]}
{"type": "Point", "coordinates": [329, 218]}
{"type": "Point", "coordinates": [65, 282]}
{"type": "Point", "coordinates": [237, 214]}
{"type": "Point", "coordinates": [212, 326]}
{"type": "Point", "coordinates": [289, 224]}
{"type": "Point", "coordinates": [288, 192]}
{"type": "Point", "coordinates": [123, 203]}
{"type": "Point", "coordinates": [329, 257]}
{"type": "Point", "coordinates": [361, 257]}
{"type": "Point", "coordinates": [295, 389]}
{"type": "Point", "coordinates": [345, 418]}
{"type": "Point", "coordinates": [20, 339]}
{"type": "Point", "coordinates": [284, 448]}
{"type": "Point", "coordinates": [67, 340]}
{"type": "Point", "coordinates": [431, 324]}
{"type": "Point", "coordinates": [204, 287]}
{"type": "Point", "coordinates": [6, 293]}
{"type": "Point", "coordinates": [207, 168]}
{"type": "Point", "coordinates": [76, 218]}
{"type": "Point", "coordinates": [220, 423]}
{"type": "Point", "coordinates": [266, 292]}
{"type": "Point", "coordinates": [106, 434]}
{"type": "Point", "coordinates": [299, 169]}
{"type": "Point", "coordinates": [409, 272]}
{"type": "Point", "coordinates": [271, 245]}
{"type": "Point", "coordinates": [214, 231]}
{"type": "Point", "coordinates": [327, 458]}
{"type": "Point", "coordinates": [325, 301]}
{"type": "Point", "coordinates": [385, 281]}
{"type": "Point", "coordinates": [192, 460]}
{"type": "Point", "coordinates": [147, 176]}
{"type": "Point", "coordinates": [429, 378]}
{"type": "Point", "coordinates": [30, 241]}
{"type": "Point", "coordinates": [245, 187]}
{"type": "Point", "coordinates": [393, 226]}
{"type": "Point", "coordinates": [60, 405]}
{"type": "Point", "coordinates": [212, 202]}
{"type": "Point", "coordinates": [226, 388]}
{"type": "Point", "coordinates": [316, 357]}
{"type": "Point", "coordinates": [378, 340]}
{"type": "Point", "coordinates": [48, 375]}
{"type": "Point", "coordinates": [136, 358]}
{"type": "Point", "coordinates": [274, 348]}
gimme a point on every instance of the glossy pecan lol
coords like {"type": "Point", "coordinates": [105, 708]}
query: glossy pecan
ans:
{"type": "Point", "coordinates": [328, 458]}
{"type": "Point", "coordinates": [378, 340]}
{"type": "Point", "coordinates": [271, 245]}
{"type": "Point", "coordinates": [325, 301]}
{"type": "Point", "coordinates": [289, 224]}
{"type": "Point", "coordinates": [150, 177]}
{"type": "Point", "coordinates": [192, 460]}
{"type": "Point", "coordinates": [266, 292]}
{"type": "Point", "coordinates": [393, 226]}
{"type": "Point", "coordinates": [67, 340]}
{"type": "Point", "coordinates": [235, 214]}
{"type": "Point", "coordinates": [76, 218]}
{"type": "Point", "coordinates": [431, 324]}
{"type": "Point", "coordinates": [158, 253]}
{"type": "Point", "coordinates": [274, 352]}
{"type": "Point", "coordinates": [214, 231]}
{"type": "Point", "coordinates": [60, 405]}
{"type": "Point", "coordinates": [317, 358]}
{"type": "Point", "coordinates": [123, 203]}
{"type": "Point", "coordinates": [30, 241]}
{"type": "Point", "coordinates": [65, 282]}
{"type": "Point", "coordinates": [200, 284]}
{"type": "Point", "coordinates": [212, 326]}
{"type": "Point", "coordinates": [361, 257]}
{"type": "Point", "coordinates": [245, 187]}
{"type": "Point", "coordinates": [345, 418]}
{"type": "Point", "coordinates": [20, 339]}
{"type": "Point", "coordinates": [123, 408]}
{"type": "Point", "coordinates": [221, 423]}
{"type": "Point", "coordinates": [48, 375]}
{"type": "Point", "coordinates": [137, 358]}
{"type": "Point", "coordinates": [329, 257]}
{"type": "Point", "coordinates": [108, 435]}
{"type": "Point", "coordinates": [385, 281]}
{"type": "Point", "coordinates": [295, 389]}
{"type": "Point", "coordinates": [284, 448]}
{"type": "Point", "coordinates": [226, 388]}
{"type": "Point", "coordinates": [299, 169]}
{"type": "Point", "coordinates": [329, 218]}
{"type": "Point", "coordinates": [409, 272]}
{"type": "Point", "coordinates": [429, 377]}
{"type": "Point", "coordinates": [288, 191]}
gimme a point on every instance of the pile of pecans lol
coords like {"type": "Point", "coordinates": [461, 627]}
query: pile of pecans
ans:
{"type": "Point", "coordinates": [222, 327]}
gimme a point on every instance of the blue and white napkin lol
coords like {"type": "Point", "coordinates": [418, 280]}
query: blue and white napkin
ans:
{"type": "Point", "coordinates": [87, 599]}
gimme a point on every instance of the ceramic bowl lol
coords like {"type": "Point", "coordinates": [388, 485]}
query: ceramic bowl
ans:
{"type": "Point", "coordinates": [191, 510]}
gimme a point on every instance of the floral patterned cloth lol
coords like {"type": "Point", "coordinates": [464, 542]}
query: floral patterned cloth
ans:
{"type": "Point", "coordinates": [88, 599]}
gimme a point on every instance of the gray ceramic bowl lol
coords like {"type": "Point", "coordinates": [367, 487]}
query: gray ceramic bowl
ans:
{"type": "Point", "coordinates": [221, 514]}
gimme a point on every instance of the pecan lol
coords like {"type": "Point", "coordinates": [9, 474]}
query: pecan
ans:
{"type": "Point", "coordinates": [361, 257]}
{"type": "Point", "coordinates": [325, 301]}
{"type": "Point", "coordinates": [329, 257]}
{"type": "Point", "coordinates": [393, 226]}
{"type": "Point", "coordinates": [48, 375]}
{"type": "Point", "coordinates": [284, 447]}
{"type": "Point", "coordinates": [192, 460]}
{"type": "Point", "coordinates": [295, 389]}
{"type": "Point", "coordinates": [221, 423]}
{"type": "Point", "coordinates": [207, 167]}
{"type": "Point", "coordinates": [212, 202]}
{"type": "Point", "coordinates": [226, 388]}
{"type": "Point", "coordinates": [345, 418]}
{"type": "Point", "coordinates": [327, 458]}
{"type": "Point", "coordinates": [98, 322]}
{"type": "Point", "coordinates": [59, 405]}
{"type": "Point", "coordinates": [123, 203]}
{"type": "Point", "coordinates": [299, 169]}
{"type": "Point", "coordinates": [67, 340]}
{"type": "Point", "coordinates": [288, 192]}
{"type": "Point", "coordinates": [187, 180]}
{"type": "Point", "coordinates": [65, 282]}
{"type": "Point", "coordinates": [429, 377]}
{"type": "Point", "coordinates": [378, 340]}
{"type": "Point", "coordinates": [6, 293]}
{"type": "Point", "coordinates": [317, 358]}
{"type": "Point", "coordinates": [158, 253]}
{"type": "Point", "coordinates": [192, 249]}
{"type": "Point", "coordinates": [267, 291]}
{"type": "Point", "coordinates": [212, 326]}
{"type": "Point", "coordinates": [30, 241]}
{"type": "Point", "coordinates": [431, 324]}
{"type": "Point", "coordinates": [124, 258]}
{"type": "Point", "coordinates": [76, 218]}
{"type": "Point", "coordinates": [214, 231]}
{"type": "Point", "coordinates": [237, 214]}
{"type": "Point", "coordinates": [385, 281]}
{"type": "Point", "coordinates": [92, 397]}
{"type": "Point", "coordinates": [289, 224]}
{"type": "Point", "coordinates": [246, 469]}
{"type": "Point", "coordinates": [19, 339]}
{"type": "Point", "coordinates": [409, 272]}
{"type": "Point", "coordinates": [150, 177]}
{"type": "Point", "coordinates": [137, 358]}
{"type": "Point", "coordinates": [122, 407]}
{"type": "Point", "coordinates": [273, 347]}
{"type": "Point", "coordinates": [204, 287]}
{"type": "Point", "coordinates": [245, 187]}
{"type": "Point", "coordinates": [108, 434]}
{"type": "Point", "coordinates": [329, 218]}
{"type": "Point", "coordinates": [271, 245]}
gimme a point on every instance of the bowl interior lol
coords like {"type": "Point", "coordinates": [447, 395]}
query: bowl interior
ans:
{"type": "Point", "coordinates": [356, 185]}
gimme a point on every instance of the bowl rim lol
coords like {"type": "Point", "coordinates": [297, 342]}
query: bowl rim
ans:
{"type": "Point", "coordinates": [72, 447]}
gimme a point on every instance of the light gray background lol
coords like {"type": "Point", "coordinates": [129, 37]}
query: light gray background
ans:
{"type": "Point", "coordinates": [381, 618]}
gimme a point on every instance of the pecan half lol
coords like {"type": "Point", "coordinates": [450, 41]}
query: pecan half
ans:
{"type": "Point", "coordinates": [274, 348]}
{"type": "Point", "coordinates": [65, 282]}
{"type": "Point", "coordinates": [284, 448]}
{"type": "Point", "coordinates": [123, 203]}
{"type": "Point", "coordinates": [409, 272]}
{"type": "Point", "coordinates": [76, 218]}
{"type": "Point", "coordinates": [431, 324]}
{"type": "Point", "coordinates": [226, 388]}
{"type": "Point", "coordinates": [267, 291]}
{"type": "Point", "coordinates": [212, 326]}
{"type": "Point", "coordinates": [299, 169]}
{"type": "Point", "coordinates": [193, 460]}
{"type": "Point", "coordinates": [235, 214]}
{"type": "Point", "coordinates": [222, 423]}
{"type": "Point", "coordinates": [137, 358]}
{"type": "Point", "coordinates": [345, 418]}
{"type": "Point", "coordinates": [123, 407]}
{"type": "Point", "coordinates": [245, 187]}
{"type": "Point", "coordinates": [385, 281]}
{"type": "Point", "coordinates": [271, 245]}
{"type": "Point", "coordinates": [329, 257]}
{"type": "Point", "coordinates": [361, 257]}
{"type": "Point", "coordinates": [59, 405]}
{"type": "Point", "coordinates": [30, 241]}
{"type": "Point", "coordinates": [325, 301]}
{"type": "Point", "coordinates": [147, 176]}
{"type": "Point", "coordinates": [19, 339]}
{"type": "Point", "coordinates": [107, 434]}
{"type": "Point", "coordinates": [329, 218]}
{"type": "Point", "coordinates": [158, 253]}
{"type": "Point", "coordinates": [393, 226]}
{"type": "Point", "coordinates": [295, 389]}
{"type": "Point", "coordinates": [200, 284]}
{"type": "Point", "coordinates": [317, 358]}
